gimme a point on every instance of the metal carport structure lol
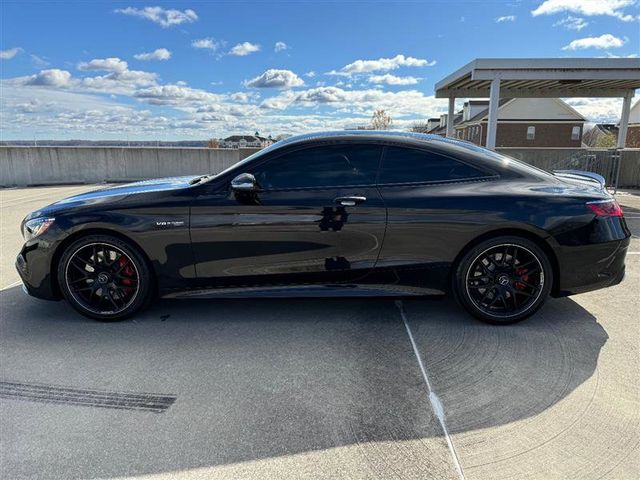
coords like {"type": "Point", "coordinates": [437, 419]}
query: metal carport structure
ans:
{"type": "Point", "coordinates": [541, 78]}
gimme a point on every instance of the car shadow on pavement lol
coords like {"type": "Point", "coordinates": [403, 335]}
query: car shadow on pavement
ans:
{"type": "Point", "coordinates": [490, 375]}
{"type": "Point", "coordinates": [259, 379]}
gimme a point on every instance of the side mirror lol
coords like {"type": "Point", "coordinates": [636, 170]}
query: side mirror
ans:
{"type": "Point", "coordinates": [245, 182]}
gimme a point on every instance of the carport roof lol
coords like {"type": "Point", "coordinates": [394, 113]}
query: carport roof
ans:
{"type": "Point", "coordinates": [543, 77]}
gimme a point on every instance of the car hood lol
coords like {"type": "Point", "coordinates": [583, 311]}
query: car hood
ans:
{"type": "Point", "coordinates": [117, 193]}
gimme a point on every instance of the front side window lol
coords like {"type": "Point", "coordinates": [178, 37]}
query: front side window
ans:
{"type": "Point", "coordinates": [327, 166]}
{"type": "Point", "coordinates": [407, 165]}
{"type": "Point", "coordinates": [531, 133]}
{"type": "Point", "coordinates": [575, 133]}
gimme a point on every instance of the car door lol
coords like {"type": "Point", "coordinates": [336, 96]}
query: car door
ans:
{"type": "Point", "coordinates": [316, 216]}
{"type": "Point", "coordinates": [430, 199]}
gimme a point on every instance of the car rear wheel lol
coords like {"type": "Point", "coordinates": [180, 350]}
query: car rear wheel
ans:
{"type": "Point", "coordinates": [104, 278]}
{"type": "Point", "coordinates": [503, 280]}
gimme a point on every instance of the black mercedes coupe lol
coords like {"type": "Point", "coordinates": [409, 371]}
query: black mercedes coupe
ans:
{"type": "Point", "coordinates": [334, 214]}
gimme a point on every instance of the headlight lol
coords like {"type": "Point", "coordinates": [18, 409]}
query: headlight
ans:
{"type": "Point", "coordinates": [36, 227]}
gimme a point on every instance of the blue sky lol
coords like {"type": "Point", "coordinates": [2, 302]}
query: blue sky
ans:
{"type": "Point", "coordinates": [196, 69]}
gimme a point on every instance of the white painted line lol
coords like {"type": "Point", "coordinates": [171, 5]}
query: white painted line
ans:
{"type": "Point", "coordinates": [11, 285]}
{"type": "Point", "coordinates": [436, 404]}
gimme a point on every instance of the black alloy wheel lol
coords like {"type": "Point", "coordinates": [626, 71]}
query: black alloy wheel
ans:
{"type": "Point", "coordinates": [104, 278]}
{"type": "Point", "coordinates": [504, 280]}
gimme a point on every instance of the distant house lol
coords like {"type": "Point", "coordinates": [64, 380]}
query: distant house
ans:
{"type": "Point", "coordinates": [246, 141]}
{"type": "Point", "coordinates": [601, 135]}
{"type": "Point", "coordinates": [432, 124]}
{"type": "Point", "coordinates": [523, 122]}
{"type": "Point", "coordinates": [440, 126]}
{"type": "Point", "coordinates": [633, 133]}
{"type": "Point", "coordinates": [606, 134]}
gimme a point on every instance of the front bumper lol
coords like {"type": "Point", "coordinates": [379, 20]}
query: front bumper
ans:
{"type": "Point", "coordinates": [34, 268]}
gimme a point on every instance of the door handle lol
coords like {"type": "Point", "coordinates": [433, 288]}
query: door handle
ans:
{"type": "Point", "coordinates": [350, 201]}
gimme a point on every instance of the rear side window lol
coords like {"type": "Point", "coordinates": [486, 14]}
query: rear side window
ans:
{"type": "Point", "coordinates": [406, 165]}
{"type": "Point", "coordinates": [325, 166]}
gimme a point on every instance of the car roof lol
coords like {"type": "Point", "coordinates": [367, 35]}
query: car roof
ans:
{"type": "Point", "coordinates": [443, 144]}
{"type": "Point", "coordinates": [368, 135]}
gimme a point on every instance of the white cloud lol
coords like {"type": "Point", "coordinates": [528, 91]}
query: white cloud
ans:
{"type": "Point", "coordinates": [244, 97]}
{"type": "Point", "coordinates": [274, 78]}
{"type": "Point", "coordinates": [279, 46]}
{"type": "Point", "coordinates": [9, 53]}
{"type": "Point", "coordinates": [603, 41]}
{"type": "Point", "coordinates": [310, 74]}
{"type": "Point", "coordinates": [506, 18]}
{"type": "Point", "coordinates": [388, 79]}
{"type": "Point", "coordinates": [124, 83]}
{"type": "Point", "coordinates": [117, 81]}
{"type": "Point", "coordinates": [597, 109]}
{"type": "Point", "coordinates": [572, 23]}
{"type": "Point", "coordinates": [39, 62]}
{"type": "Point", "coordinates": [398, 104]}
{"type": "Point", "coordinates": [243, 49]}
{"type": "Point", "coordinates": [163, 17]}
{"type": "Point", "coordinates": [205, 43]}
{"type": "Point", "coordinates": [381, 65]}
{"type": "Point", "coordinates": [50, 78]}
{"type": "Point", "coordinates": [612, 8]}
{"type": "Point", "coordinates": [157, 54]}
{"type": "Point", "coordinates": [112, 64]}
{"type": "Point", "coordinates": [177, 95]}
{"type": "Point", "coordinates": [631, 55]}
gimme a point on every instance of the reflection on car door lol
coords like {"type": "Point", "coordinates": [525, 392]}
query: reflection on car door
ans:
{"type": "Point", "coordinates": [429, 200]}
{"type": "Point", "coordinates": [318, 217]}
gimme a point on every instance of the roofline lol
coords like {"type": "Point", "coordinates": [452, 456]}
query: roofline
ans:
{"type": "Point", "coordinates": [570, 77]}
{"type": "Point", "coordinates": [539, 64]}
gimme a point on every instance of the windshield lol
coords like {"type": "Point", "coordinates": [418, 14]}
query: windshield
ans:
{"type": "Point", "coordinates": [251, 157]}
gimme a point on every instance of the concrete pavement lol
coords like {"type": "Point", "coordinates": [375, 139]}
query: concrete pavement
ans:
{"type": "Point", "coordinates": [322, 388]}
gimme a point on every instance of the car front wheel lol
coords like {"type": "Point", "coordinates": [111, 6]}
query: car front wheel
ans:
{"type": "Point", "coordinates": [504, 279]}
{"type": "Point", "coordinates": [104, 278]}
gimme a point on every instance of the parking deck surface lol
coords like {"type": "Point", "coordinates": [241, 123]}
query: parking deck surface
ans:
{"type": "Point", "coordinates": [307, 388]}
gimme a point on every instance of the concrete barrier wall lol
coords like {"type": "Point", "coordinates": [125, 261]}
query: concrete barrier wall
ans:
{"type": "Point", "coordinates": [20, 166]}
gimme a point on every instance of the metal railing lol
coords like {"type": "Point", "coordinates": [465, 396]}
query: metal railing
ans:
{"type": "Point", "coordinates": [605, 162]}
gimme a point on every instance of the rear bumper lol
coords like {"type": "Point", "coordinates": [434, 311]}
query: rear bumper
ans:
{"type": "Point", "coordinates": [591, 267]}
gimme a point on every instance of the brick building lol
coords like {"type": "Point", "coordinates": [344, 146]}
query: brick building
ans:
{"type": "Point", "coordinates": [633, 133]}
{"type": "Point", "coordinates": [523, 122]}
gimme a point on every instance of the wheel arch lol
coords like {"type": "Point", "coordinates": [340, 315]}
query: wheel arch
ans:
{"type": "Point", "coordinates": [517, 232]}
{"type": "Point", "coordinates": [57, 255]}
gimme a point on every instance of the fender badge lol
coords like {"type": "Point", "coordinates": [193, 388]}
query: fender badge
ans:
{"type": "Point", "coordinates": [170, 223]}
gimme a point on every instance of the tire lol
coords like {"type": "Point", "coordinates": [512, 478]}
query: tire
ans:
{"type": "Point", "coordinates": [503, 280]}
{"type": "Point", "coordinates": [105, 278]}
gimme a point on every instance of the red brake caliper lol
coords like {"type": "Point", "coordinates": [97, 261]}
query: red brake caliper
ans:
{"type": "Point", "coordinates": [522, 273]}
{"type": "Point", "coordinates": [126, 271]}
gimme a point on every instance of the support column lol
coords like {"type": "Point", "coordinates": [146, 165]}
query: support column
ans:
{"type": "Point", "coordinates": [452, 105]}
{"type": "Point", "coordinates": [492, 126]}
{"type": "Point", "coordinates": [624, 120]}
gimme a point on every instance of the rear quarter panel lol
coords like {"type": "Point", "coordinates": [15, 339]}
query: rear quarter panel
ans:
{"type": "Point", "coordinates": [430, 225]}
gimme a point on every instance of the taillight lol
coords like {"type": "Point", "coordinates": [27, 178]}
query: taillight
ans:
{"type": "Point", "coordinates": [605, 208]}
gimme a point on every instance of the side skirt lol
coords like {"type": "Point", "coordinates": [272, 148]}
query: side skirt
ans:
{"type": "Point", "coordinates": [326, 291]}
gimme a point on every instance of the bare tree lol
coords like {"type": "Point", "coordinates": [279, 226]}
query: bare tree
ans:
{"type": "Point", "coordinates": [213, 143]}
{"type": "Point", "coordinates": [381, 120]}
{"type": "Point", "coordinates": [418, 127]}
